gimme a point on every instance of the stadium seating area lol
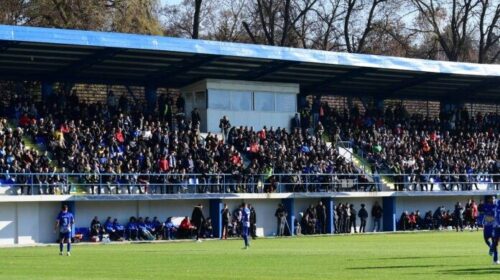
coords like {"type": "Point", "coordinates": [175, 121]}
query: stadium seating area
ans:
{"type": "Point", "coordinates": [454, 150]}
{"type": "Point", "coordinates": [155, 151]}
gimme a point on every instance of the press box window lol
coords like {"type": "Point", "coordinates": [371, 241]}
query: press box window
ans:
{"type": "Point", "coordinates": [219, 99]}
{"type": "Point", "coordinates": [264, 101]}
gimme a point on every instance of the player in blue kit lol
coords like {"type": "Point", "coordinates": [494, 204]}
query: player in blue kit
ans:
{"type": "Point", "coordinates": [488, 221]}
{"type": "Point", "coordinates": [496, 232]}
{"type": "Point", "coordinates": [64, 224]}
{"type": "Point", "coordinates": [245, 223]}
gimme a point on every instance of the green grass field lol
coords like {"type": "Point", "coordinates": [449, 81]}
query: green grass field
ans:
{"type": "Point", "coordinates": [438, 255]}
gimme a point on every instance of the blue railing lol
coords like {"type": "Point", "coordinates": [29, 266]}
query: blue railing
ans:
{"type": "Point", "coordinates": [167, 183]}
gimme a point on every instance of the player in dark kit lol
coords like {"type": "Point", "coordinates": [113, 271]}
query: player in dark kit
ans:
{"type": "Point", "coordinates": [496, 232]}
{"type": "Point", "coordinates": [64, 224]}
{"type": "Point", "coordinates": [488, 221]}
{"type": "Point", "coordinates": [245, 224]}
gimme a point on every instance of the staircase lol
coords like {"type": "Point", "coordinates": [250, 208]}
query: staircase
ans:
{"type": "Point", "coordinates": [362, 164]}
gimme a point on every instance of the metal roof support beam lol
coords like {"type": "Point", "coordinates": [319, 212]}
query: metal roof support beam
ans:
{"type": "Point", "coordinates": [393, 91]}
{"type": "Point", "coordinates": [337, 79]}
{"type": "Point", "coordinates": [470, 91]}
{"type": "Point", "coordinates": [268, 69]}
{"type": "Point", "coordinates": [87, 62]}
{"type": "Point", "coordinates": [5, 45]}
{"type": "Point", "coordinates": [170, 74]}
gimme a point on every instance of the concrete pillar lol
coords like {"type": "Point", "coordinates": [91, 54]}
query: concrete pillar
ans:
{"type": "Point", "coordinates": [216, 207]}
{"type": "Point", "coordinates": [389, 216]}
{"type": "Point", "coordinates": [151, 97]}
{"type": "Point", "coordinates": [330, 215]}
{"type": "Point", "coordinates": [47, 90]}
{"type": "Point", "coordinates": [289, 204]}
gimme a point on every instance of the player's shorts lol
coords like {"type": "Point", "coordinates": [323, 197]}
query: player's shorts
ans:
{"type": "Point", "coordinates": [65, 235]}
{"type": "Point", "coordinates": [488, 232]}
{"type": "Point", "coordinates": [244, 231]}
{"type": "Point", "coordinates": [496, 232]}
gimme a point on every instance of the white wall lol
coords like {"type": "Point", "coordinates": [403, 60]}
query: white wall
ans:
{"type": "Point", "coordinates": [210, 117]}
{"type": "Point", "coordinates": [248, 118]}
{"type": "Point", "coordinates": [27, 222]}
{"type": "Point", "coordinates": [8, 230]}
{"type": "Point", "coordinates": [47, 214]}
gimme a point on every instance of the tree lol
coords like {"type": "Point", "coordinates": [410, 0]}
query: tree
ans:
{"type": "Point", "coordinates": [489, 32]}
{"type": "Point", "coordinates": [13, 12]}
{"type": "Point", "coordinates": [274, 21]}
{"type": "Point", "coordinates": [136, 16]}
{"type": "Point", "coordinates": [187, 19]}
{"type": "Point", "coordinates": [196, 20]}
{"type": "Point", "coordinates": [450, 22]}
{"type": "Point", "coordinates": [326, 28]}
{"type": "Point", "coordinates": [355, 31]}
{"type": "Point", "coordinates": [74, 14]}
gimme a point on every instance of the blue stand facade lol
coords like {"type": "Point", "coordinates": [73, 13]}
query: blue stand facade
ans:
{"type": "Point", "coordinates": [216, 207]}
{"type": "Point", "coordinates": [389, 216]}
{"type": "Point", "coordinates": [289, 204]}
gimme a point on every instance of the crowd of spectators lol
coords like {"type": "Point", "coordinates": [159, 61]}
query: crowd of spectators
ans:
{"type": "Point", "coordinates": [156, 150]}
{"type": "Point", "coordinates": [456, 150]}
{"type": "Point", "coordinates": [458, 218]}
{"type": "Point", "coordinates": [313, 220]}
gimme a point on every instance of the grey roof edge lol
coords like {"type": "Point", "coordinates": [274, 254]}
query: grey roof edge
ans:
{"type": "Point", "coordinates": [204, 47]}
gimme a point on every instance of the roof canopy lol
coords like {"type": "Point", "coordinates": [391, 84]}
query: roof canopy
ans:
{"type": "Point", "coordinates": [32, 53]}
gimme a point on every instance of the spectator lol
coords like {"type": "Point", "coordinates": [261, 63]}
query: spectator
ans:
{"type": "Point", "coordinates": [458, 216]}
{"type": "Point", "coordinates": [186, 229]}
{"type": "Point", "coordinates": [321, 214]}
{"type": "Point", "coordinates": [114, 229]}
{"type": "Point", "coordinates": [224, 125]}
{"type": "Point", "coordinates": [170, 229]}
{"type": "Point", "coordinates": [253, 222]}
{"type": "Point", "coordinates": [96, 230]}
{"type": "Point", "coordinates": [198, 220]}
{"type": "Point", "coordinates": [352, 220]}
{"type": "Point", "coordinates": [363, 216]}
{"type": "Point", "coordinates": [132, 229]}
{"type": "Point", "coordinates": [377, 216]}
{"type": "Point", "coordinates": [195, 118]}
{"type": "Point", "coordinates": [226, 218]}
{"type": "Point", "coordinates": [280, 215]}
{"type": "Point", "coordinates": [144, 230]}
{"type": "Point", "coordinates": [207, 229]}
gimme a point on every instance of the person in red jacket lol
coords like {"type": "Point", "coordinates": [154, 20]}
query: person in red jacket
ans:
{"type": "Point", "coordinates": [163, 164]}
{"type": "Point", "coordinates": [186, 228]}
{"type": "Point", "coordinates": [412, 220]}
{"type": "Point", "coordinates": [119, 136]}
{"type": "Point", "coordinates": [24, 121]}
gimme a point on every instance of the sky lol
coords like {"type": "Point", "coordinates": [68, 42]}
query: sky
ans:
{"type": "Point", "coordinates": [170, 2]}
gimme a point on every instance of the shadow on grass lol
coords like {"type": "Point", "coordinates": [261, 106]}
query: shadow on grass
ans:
{"type": "Point", "coordinates": [416, 258]}
{"type": "Point", "coordinates": [472, 271]}
{"type": "Point", "coordinates": [393, 267]}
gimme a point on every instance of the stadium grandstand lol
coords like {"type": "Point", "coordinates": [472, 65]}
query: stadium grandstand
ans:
{"type": "Point", "coordinates": [130, 125]}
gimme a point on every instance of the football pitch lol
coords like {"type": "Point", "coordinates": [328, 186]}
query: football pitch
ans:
{"type": "Point", "coordinates": [436, 255]}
